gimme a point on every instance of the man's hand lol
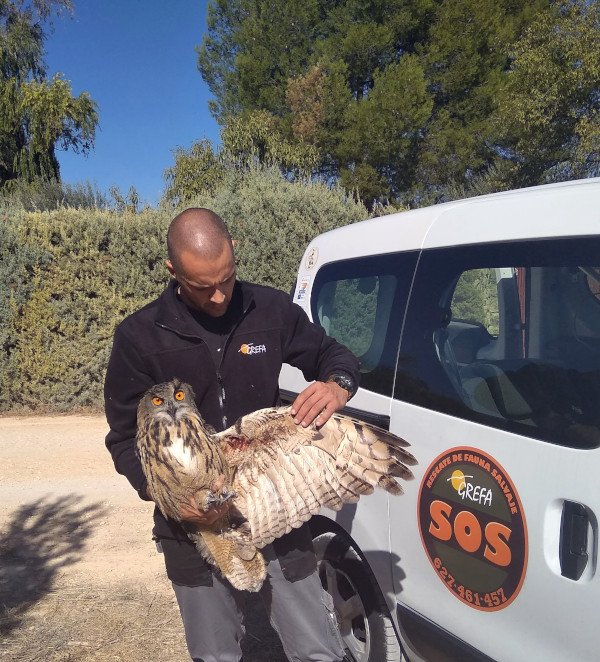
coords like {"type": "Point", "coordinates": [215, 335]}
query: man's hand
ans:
{"type": "Point", "coordinates": [191, 512]}
{"type": "Point", "coordinates": [318, 402]}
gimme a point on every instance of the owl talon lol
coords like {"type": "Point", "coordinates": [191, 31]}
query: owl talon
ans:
{"type": "Point", "coordinates": [220, 499]}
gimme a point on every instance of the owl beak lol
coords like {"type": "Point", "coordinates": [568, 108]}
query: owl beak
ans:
{"type": "Point", "coordinates": [171, 410]}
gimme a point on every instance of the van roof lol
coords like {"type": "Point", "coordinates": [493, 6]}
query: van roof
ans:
{"type": "Point", "coordinates": [553, 210]}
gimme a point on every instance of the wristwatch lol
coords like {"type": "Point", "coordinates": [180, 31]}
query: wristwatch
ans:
{"type": "Point", "coordinates": [347, 383]}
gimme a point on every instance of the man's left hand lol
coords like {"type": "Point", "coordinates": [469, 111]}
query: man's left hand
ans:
{"type": "Point", "coordinates": [318, 402]}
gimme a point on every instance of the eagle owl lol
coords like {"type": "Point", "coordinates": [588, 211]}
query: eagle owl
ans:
{"type": "Point", "coordinates": [277, 474]}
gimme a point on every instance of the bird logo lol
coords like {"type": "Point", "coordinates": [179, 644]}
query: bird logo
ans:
{"type": "Point", "coordinates": [251, 348]}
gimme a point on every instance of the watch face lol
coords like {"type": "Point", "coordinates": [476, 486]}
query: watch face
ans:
{"type": "Point", "coordinates": [344, 382]}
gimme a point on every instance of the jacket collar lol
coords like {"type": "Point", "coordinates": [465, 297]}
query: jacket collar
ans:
{"type": "Point", "coordinates": [174, 315]}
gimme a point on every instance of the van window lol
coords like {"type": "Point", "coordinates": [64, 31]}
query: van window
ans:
{"type": "Point", "coordinates": [361, 303]}
{"type": "Point", "coordinates": [508, 335]}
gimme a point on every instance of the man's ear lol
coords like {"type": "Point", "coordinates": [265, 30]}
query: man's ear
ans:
{"type": "Point", "coordinates": [169, 266]}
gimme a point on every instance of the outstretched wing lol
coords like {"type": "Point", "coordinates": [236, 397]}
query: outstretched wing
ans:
{"type": "Point", "coordinates": [283, 473]}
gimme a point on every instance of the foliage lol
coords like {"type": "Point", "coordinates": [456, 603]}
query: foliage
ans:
{"type": "Point", "coordinates": [375, 153]}
{"type": "Point", "coordinates": [37, 115]}
{"type": "Point", "coordinates": [466, 59]}
{"type": "Point", "coordinates": [246, 78]}
{"type": "Point", "coordinates": [550, 114]}
{"type": "Point", "coordinates": [255, 138]}
{"type": "Point", "coordinates": [18, 261]}
{"type": "Point", "coordinates": [129, 202]}
{"type": "Point", "coordinates": [247, 141]}
{"type": "Point", "coordinates": [197, 170]}
{"type": "Point", "coordinates": [399, 98]}
{"type": "Point", "coordinates": [74, 276]}
{"type": "Point", "coordinates": [497, 177]}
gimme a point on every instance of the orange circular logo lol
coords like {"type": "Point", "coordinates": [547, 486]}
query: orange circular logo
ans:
{"type": "Point", "coordinates": [473, 528]}
{"type": "Point", "coordinates": [244, 349]}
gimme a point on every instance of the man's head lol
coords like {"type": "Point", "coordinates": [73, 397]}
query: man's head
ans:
{"type": "Point", "coordinates": [201, 259]}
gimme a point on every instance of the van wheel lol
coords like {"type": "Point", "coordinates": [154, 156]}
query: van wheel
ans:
{"type": "Point", "coordinates": [363, 617]}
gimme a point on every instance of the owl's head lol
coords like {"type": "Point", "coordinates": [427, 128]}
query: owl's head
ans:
{"type": "Point", "coordinates": [169, 401]}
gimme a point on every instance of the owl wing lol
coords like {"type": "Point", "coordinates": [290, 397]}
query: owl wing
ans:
{"type": "Point", "coordinates": [283, 473]}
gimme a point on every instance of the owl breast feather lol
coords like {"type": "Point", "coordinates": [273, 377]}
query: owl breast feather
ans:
{"type": "Point", "coordinates": [181, 453]}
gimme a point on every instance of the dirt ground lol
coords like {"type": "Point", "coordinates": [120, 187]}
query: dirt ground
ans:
{"type": "Point", "coordinates": [80, 578]}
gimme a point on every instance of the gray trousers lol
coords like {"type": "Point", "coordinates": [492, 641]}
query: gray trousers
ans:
{"type": "Point", "coordinates": [301, 612]}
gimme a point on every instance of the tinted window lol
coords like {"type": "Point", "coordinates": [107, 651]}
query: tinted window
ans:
{"type": "Point", "coordinates": [508, 335]}
{"type": "Point", "coordinates": [361, 303]}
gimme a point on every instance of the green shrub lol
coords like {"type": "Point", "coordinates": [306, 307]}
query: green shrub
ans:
{"type": "Point", "coordinates": [96, 268]}
{"type": "Point", "coordinates": [19, 260]}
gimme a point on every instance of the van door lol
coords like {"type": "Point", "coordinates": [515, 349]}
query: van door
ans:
{"type": "Point", "coordinates": [497, 389]}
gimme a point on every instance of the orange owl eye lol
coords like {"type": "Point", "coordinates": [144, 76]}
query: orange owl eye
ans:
{"type": "Point", "coordinates": [179, 395]}
{"type": "Point", "coordinates": [157, 401]}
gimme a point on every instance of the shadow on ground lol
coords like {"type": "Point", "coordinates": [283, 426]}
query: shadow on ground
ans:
{"type": "Point", "coordinates": [42, 538]}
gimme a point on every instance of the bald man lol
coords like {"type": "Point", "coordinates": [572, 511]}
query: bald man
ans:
{"type": "Point", "coordinates": [194, 331]}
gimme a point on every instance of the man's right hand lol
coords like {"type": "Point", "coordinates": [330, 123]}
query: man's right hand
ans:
{"type": "Point", "coordinates": [192, 513]}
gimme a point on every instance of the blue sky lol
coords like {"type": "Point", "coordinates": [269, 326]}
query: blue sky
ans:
{"type": "Point", "coordinates": [136, 59]}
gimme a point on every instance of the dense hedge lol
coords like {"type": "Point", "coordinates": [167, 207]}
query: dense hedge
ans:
{"type": "Point", "coordinates": [68, 277]}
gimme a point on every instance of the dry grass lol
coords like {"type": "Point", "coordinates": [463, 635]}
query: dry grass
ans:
{"type": "Point", "coordinates": [81, 623]}
{"type": "Point", "coordinates": [127, 623]}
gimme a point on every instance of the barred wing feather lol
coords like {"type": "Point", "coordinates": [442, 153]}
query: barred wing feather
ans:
{"type": "Point", "coordinates": [284, 474]}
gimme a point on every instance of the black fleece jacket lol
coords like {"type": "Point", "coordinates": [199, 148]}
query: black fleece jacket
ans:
{"type": "Point", "coordinates": [162, 341]}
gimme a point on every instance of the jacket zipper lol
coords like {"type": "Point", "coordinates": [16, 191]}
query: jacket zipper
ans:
{"type": "Point", "coordinates": [222, 399]}
{"type": "Point", "coordinates": [219, 378]}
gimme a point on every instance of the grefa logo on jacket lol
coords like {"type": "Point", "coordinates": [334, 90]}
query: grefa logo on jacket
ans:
{"type": "Point", "coordinates": [251, 348]}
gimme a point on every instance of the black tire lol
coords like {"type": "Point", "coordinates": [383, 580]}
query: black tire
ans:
{"type": "Point", "coordinates": [363, 617]}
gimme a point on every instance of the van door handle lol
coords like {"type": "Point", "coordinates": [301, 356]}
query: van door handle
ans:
{"type": "Point", "coordinates": [573, 540]}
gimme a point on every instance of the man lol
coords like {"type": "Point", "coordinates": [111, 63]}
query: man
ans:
{"type": "Point", "coordinates": [228, 339]}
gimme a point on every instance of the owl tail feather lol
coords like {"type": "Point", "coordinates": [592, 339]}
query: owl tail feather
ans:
{"type": "Point", "coordinates": [239, 562]}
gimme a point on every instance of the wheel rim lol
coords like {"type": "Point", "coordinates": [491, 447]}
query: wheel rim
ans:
{"type": "Point", "coordinates": [349, 610]}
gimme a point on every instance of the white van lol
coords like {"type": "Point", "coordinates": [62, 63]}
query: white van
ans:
{"type": "Point", "coordinates": [477, 325]}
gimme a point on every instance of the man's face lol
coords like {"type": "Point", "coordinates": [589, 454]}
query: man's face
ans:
{"type": "Point", "coordinates": [206, 284]}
